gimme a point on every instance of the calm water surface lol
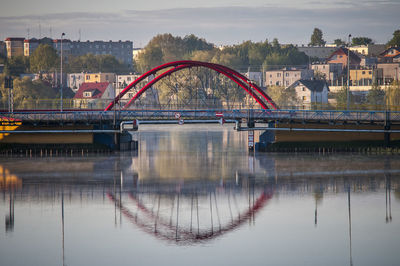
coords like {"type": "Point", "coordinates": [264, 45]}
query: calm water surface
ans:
{"type": "Point", "coordinates": [195, 196]}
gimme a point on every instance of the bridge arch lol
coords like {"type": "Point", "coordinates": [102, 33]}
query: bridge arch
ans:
{"type": "Point", "coordinates": [252, 89]}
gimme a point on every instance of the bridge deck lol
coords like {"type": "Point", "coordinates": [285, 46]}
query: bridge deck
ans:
{"type": "Point", "coordinates": [108, 117]}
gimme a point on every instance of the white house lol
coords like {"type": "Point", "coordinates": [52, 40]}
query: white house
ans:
{"type": "Point", "coordinates": [311, 91]}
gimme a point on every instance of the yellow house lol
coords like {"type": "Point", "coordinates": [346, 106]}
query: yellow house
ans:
{"type": "Point", "coordinates": [361, 76]}
{"type": "Point", "coordinates": [99, 77]}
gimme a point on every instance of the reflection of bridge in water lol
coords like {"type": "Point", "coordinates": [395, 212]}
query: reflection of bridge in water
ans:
{"type": "Point", "coordinates": [190, 216]}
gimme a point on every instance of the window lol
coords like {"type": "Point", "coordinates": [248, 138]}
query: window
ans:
{"type": "Point", "coordinates": [87, 94]}
{"type": "Point", "coordinates": [370, 72]}
{"type": "Point", "coordinates": [363, 72]}
{"type": "Point", "coordinates": [304, 98]}
{"type": "Point", "coordinates": [278, 74]}
{"type": "Point", "coordinates": [303, 89]}
{"type": "Point", "coordinates": [128, 78]}
{"type": "Point", "coordinates": [87, 77]}
{"type": "Point", "coordinates": [287, 82]}
{"type": "Point", "coordinates": [106, 77]}
{"type": "Point", "coordinates": [287, 75]}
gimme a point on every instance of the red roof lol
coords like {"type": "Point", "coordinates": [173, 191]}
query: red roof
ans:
{"type": "Point", "coordinates": [97, 89]}
{"type": "Point", "coordinates": [15, 39]}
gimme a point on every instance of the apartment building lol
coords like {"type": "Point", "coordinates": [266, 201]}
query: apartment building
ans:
{"type": "Point", "coordinates": [329, 72]}
{"type": "Point", "coordinates": [14, 46]}
{"type": "Point", "coordinates": [30, 46]}
{"type": "Point", "coordinates": [99, 77]}
{"type": "Point", "coordinates": [123, 51]}
{"type": "Point", "coordinates": [75, 80]}
{"type": "Point", "coordinates": [361, 77]}
{"type": "Point", "coordinates": [3, 49]}
{"type": "Point", "coordinates": [287, 76]}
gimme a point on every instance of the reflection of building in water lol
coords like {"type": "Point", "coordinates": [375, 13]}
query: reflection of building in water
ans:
{"type": "Point", "coordinates": [9, 183]}
{"type": "Point", "coordinates": [166, 154]}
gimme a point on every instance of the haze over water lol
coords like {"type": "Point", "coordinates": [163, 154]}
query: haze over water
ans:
{"type": "Point", "coordinates": [195, 196]}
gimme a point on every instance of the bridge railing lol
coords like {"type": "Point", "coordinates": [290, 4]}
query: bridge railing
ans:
{"type": "Point", "coordinates": [93, 116]}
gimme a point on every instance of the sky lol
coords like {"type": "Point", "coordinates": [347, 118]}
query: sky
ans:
{"type": "Point", "coordinates": [221, 22]}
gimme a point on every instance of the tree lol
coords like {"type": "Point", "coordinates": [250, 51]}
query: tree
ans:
{"type": "Point", "coordinates": [376, 97]}
{"type": "Point", "coordinates": [395, 41]}
{"type": "Point", "coordinates": [393, 96]}
{"type": "Point", "coordinates": [316, 38]}
{"type": "Point", "coordinates": [31, 94]}
{"type": "Point", "coordinates": [339, 42]}
{"type": "Point", "coordinates": [43, 59]}
{"type": "Point", "coordinates": [341, 98]}
{"type": "Point", "coordinates": [361, 41]}
{"type": "Point", "coordinates": [283, 97]}
{"type": "Point", "coordinates": [16, 65]}
{"type": "Point", "coordinates": [96, 63]}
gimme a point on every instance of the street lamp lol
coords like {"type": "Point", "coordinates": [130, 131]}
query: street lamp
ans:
{"type": "Point", "coordinates": [348, 73]}
{"type": "Point", "coordinates": [61, 75]}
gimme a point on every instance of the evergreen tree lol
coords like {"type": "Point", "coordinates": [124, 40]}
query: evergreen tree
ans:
{"type": "Point", "coordinates": [395, 41]}
{"type": "Point", "coordinates": [316, 38]}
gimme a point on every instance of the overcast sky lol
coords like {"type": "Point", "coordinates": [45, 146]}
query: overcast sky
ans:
{"type": "Point", "coordinates": [219, 22]}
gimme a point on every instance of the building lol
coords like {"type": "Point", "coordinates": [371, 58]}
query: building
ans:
{"type": "Point", "coordinates": [66, 47]}
{"type": "Point", "coordinates": [75, 80]}
{"type": "Point", "coordinates": [329, 72]}
{"type": "Point", "coordinates": [99, 77]}
{"type": "Point", "coordinates": [390, 55]}
{"type": "Point", "coordinates": [3, 49]}
{"type": "Point", "coordinates": [368, 50]}
{"type": "Point", "coordinates": [122, 82]}
{"type": "Point", "coordinates": [320, 52]}
{"type": "Point", "coordinates": [30, 46]}
{"type": "Point", "coordinates": [390, 72]}
{"type": "Point", "coordinates": [287, 76]}
{"type": "Point", "coordinates": [340, 57]}
{"type": "Point", "coordinates": [361, 77]}
{"type": "Point", "coordinates": [121, 50]}
{"type": "Point", "coordinates": [94, 95]}
{"type": "Point", "coordinates": [136, 52]}
{"type": "Point", "coordinates": [311, 92]}
{"type": "Point", "coordinates": [15, 47]}
{"type": "Point", "coordinates": [255, 77]}
{"type": "Point", "coordinates": [368, 61]}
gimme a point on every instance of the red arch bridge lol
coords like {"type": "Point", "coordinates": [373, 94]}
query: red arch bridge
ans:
{"type": "Point", "coordinates": [243, 82]}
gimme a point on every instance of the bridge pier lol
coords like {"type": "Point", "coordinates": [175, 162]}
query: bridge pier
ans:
{"type": "Point", "coordinates": [266, 138]}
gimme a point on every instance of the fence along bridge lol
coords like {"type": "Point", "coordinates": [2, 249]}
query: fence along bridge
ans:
{"type": "Point", "coordinates": [358, 118]}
